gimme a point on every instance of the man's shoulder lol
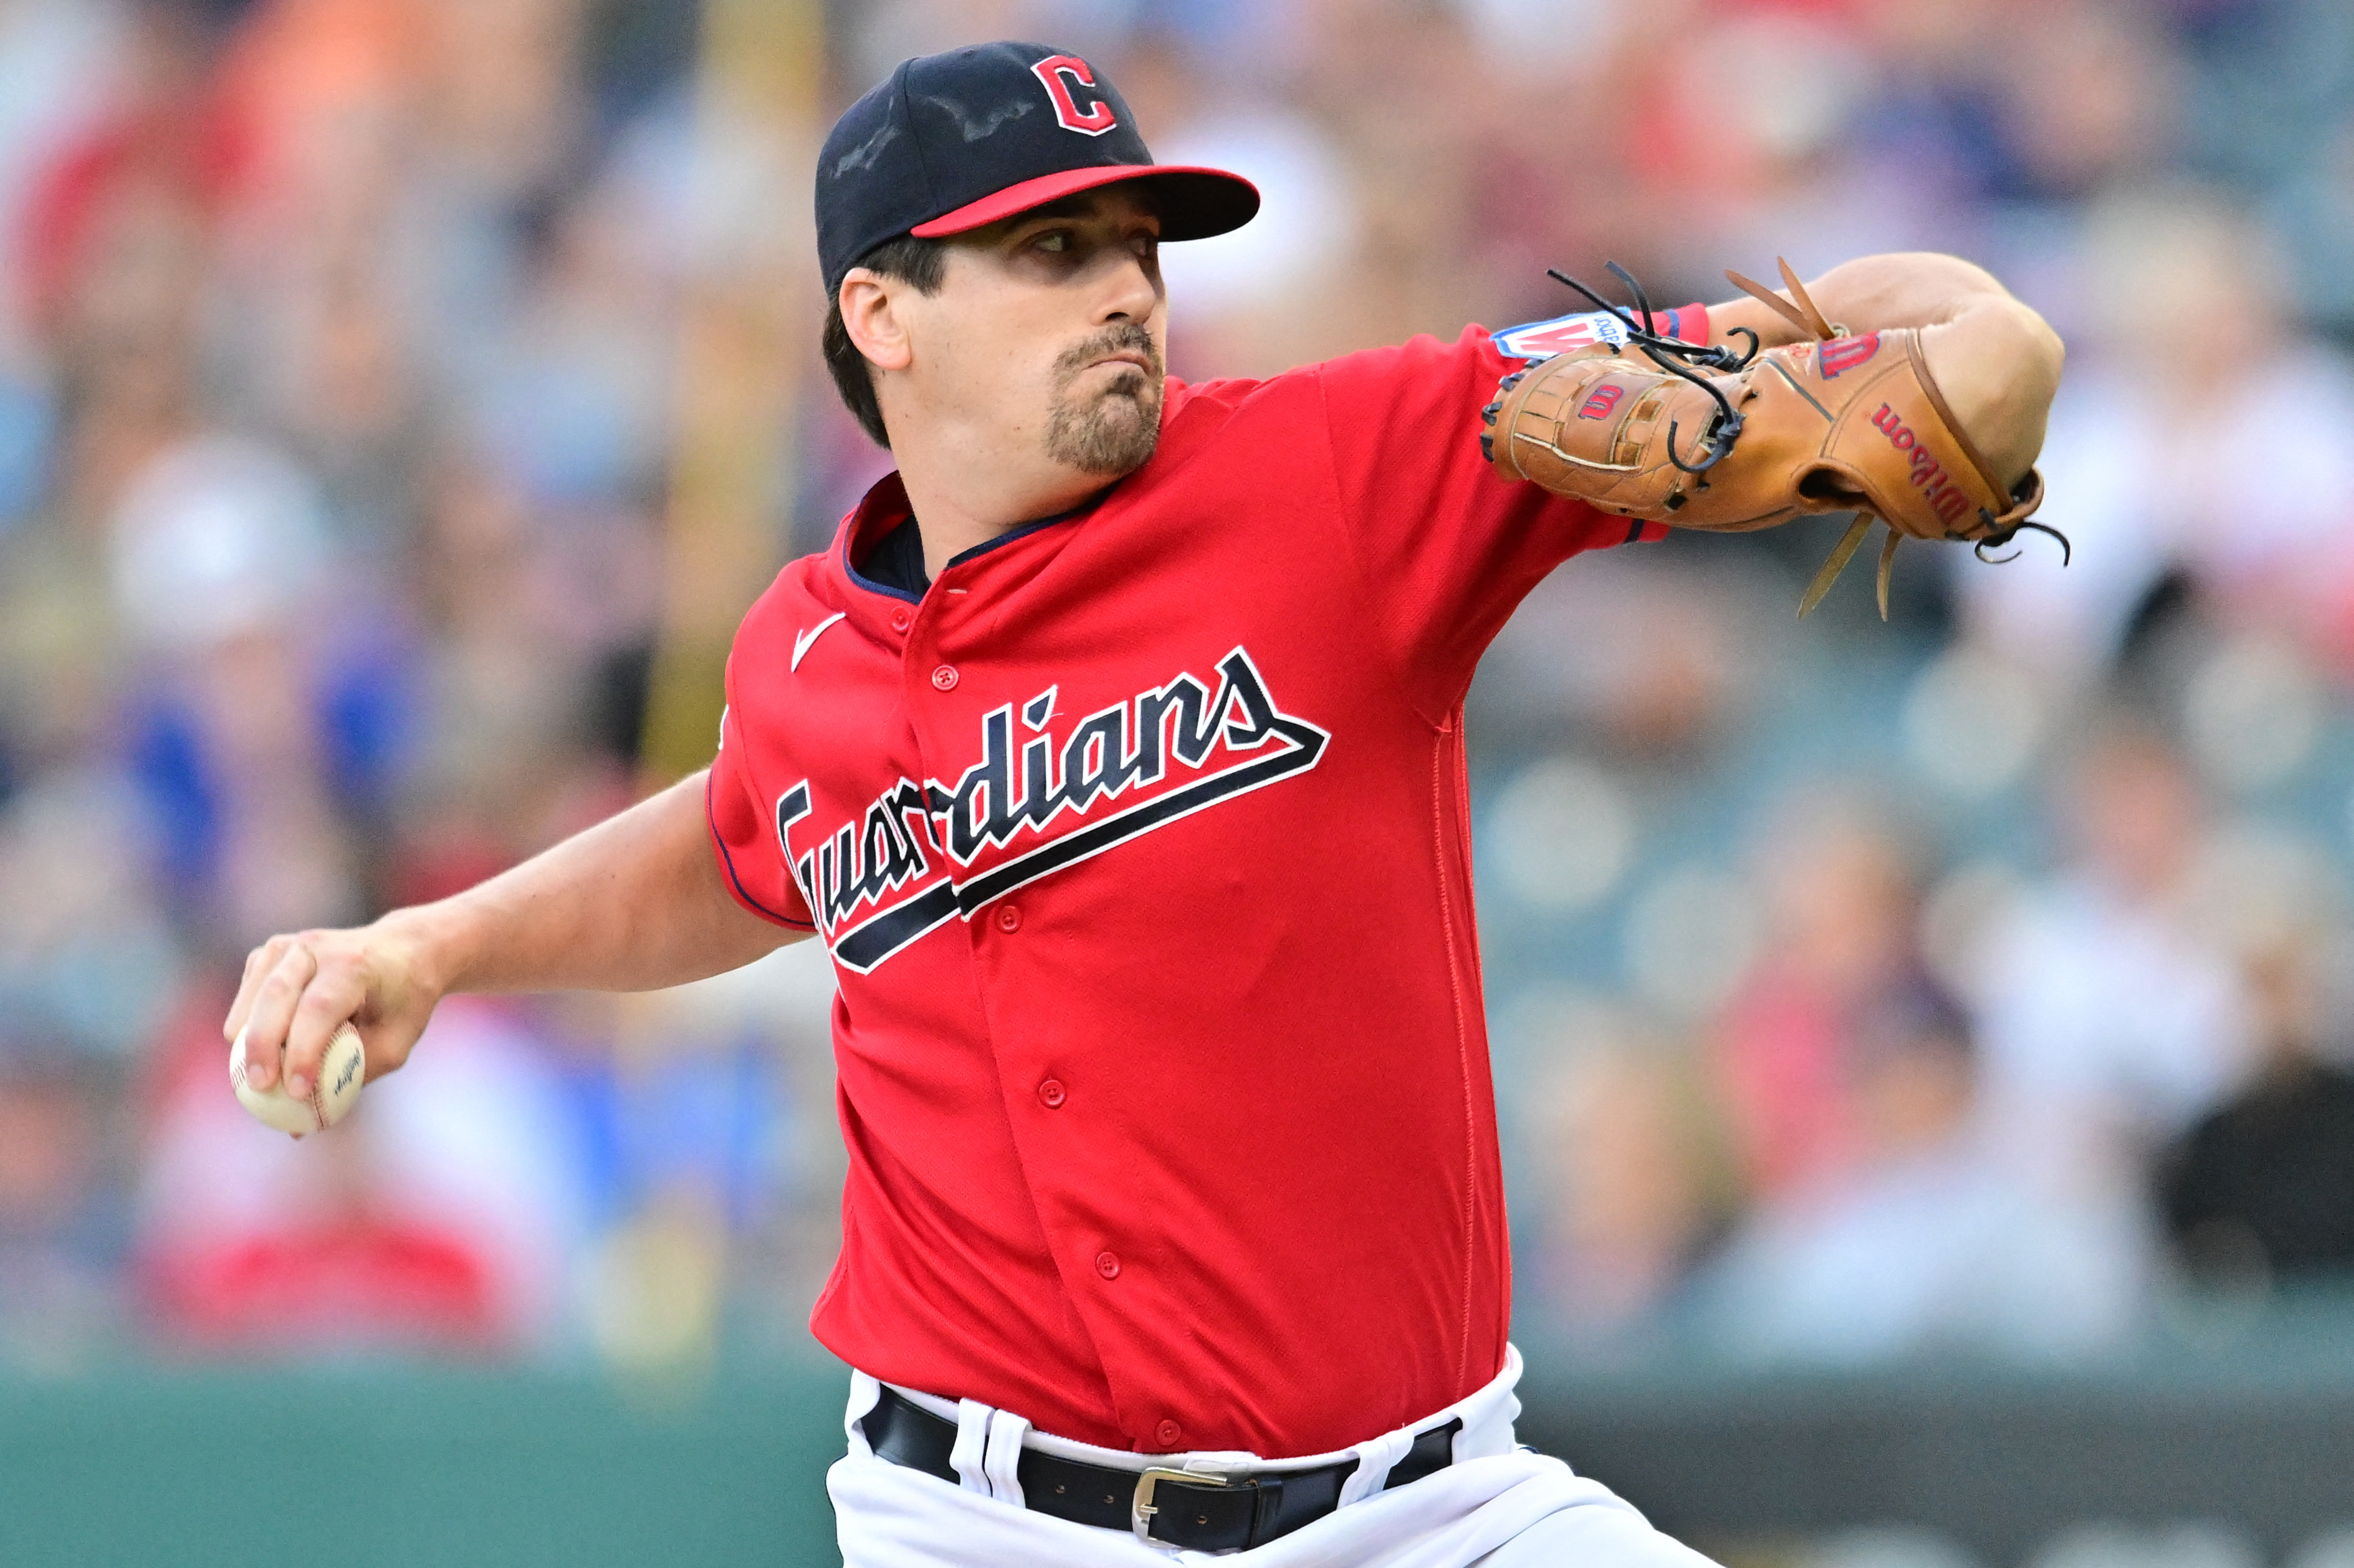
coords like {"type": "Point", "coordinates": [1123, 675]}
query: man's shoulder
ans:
{"type": "Point", "coordinates": [1200, 407]}
{"type": "Point", "coordinates": [1423, 352]}
{"type": "Point", "coordinates": [808, 586]}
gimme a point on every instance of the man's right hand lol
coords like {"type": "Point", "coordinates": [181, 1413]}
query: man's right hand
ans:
{"type": "Point", "coordinates": [299, 988]}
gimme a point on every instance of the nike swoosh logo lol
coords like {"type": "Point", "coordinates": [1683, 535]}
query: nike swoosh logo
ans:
{"type": "Point", "coordinates": [802, 643]}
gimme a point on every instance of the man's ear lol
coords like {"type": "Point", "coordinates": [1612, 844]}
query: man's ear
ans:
{"type": "Point", "coordinates": [870, 315]}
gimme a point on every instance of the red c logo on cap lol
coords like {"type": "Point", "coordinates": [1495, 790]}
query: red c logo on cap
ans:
{"type": "Point", "coordinates": [1053, 70]}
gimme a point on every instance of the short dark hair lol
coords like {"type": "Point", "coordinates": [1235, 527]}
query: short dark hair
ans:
{"type": "Point", "coordinates": [921, 263]}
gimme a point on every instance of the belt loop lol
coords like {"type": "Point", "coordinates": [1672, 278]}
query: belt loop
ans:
{"type": "Point", "coordinates": [1001, 1456]}
{"type": "Point", "coordinates": [865, 1393]}
{"type": "Point", "coordinates": [1489, 1414]}
{"type": "Point", "coordinates": [1374, 1459]}
{"type": "Point", "coordinates": [971, 1446]}
{"type": "Point", "coordinates": [1266, 1510]}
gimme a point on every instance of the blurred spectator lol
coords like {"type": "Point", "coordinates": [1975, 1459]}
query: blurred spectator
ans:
{"type": "Point", "coordinates": [55, 78]}
{"type": "Point", "coordinates": [1636, 1188]}
{"type": "Point", "coordinates": [2112, 1021]}
{"type": "Point", "coordinates": [715, 1155]}
{"type": "Point", "coordinates": [87, 961]}
{"type": "Point", "coordinates": [445, 1213]}
{"type": "Point", "coordinates": [111, 253]}
{"type": "Point", "coordinates": [220, 567]}
{"type": "Point", "coordinates": [1926, 1241]}
{"type": "Point", "coordinates": [61, 1238]}
{"type": "Point", "coordinates": [1842, 896]}
{"type": "Point", "coordinates": [577, 409]}
{"type": "Point", "coordinates": [2263, 1188]}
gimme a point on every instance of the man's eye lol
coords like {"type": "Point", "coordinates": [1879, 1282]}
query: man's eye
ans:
{"type": "Point", "coordinates": [1053, 239]}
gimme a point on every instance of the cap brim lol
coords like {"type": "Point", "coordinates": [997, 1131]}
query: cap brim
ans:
{"type": "Point", "coordinates": [1194, 202]}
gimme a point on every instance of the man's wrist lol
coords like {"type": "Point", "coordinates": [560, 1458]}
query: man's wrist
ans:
{"type": "Point", "coordinates": [427, 941]}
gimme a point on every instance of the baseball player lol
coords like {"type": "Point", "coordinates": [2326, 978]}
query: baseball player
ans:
{"type": "Point", "coordinates": [1114, 748]}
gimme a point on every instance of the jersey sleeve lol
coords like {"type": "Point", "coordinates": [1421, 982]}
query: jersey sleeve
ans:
{"type": "Point", "coordinates": [1448, 548]}
{"type": "Point", "coordinates": [744, 837]}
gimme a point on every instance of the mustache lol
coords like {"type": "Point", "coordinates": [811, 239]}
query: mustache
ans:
{"type": "Point", "coordinates": [1121, 338]}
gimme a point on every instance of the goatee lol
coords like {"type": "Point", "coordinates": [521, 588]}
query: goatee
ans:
{"type": "Point", "coordinates": [1114, 431]}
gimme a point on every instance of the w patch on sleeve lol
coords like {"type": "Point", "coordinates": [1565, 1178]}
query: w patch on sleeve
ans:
{"type": "Point", "coordinates": [1562, 334]}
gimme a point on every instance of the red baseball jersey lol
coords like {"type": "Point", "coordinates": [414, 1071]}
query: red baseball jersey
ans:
{"type": "Point", "coordinates": [1142, 847]}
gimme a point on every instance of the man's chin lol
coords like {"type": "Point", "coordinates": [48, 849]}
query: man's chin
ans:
{"type": "Point", "coordinates": [1116, 437]}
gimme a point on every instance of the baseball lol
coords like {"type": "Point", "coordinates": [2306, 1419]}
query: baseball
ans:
{"type": "Point", "coordinates": [331, 1099]}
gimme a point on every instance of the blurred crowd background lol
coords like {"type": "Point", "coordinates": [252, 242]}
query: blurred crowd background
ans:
{"type": "Point", "coordinates": [1973, 985]}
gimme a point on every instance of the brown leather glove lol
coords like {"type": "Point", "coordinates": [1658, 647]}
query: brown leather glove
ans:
{"type": "Point", "coordinates": [1711, 438]}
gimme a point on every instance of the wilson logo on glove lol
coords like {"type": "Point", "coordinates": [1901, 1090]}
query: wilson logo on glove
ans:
{"type": "Point", "coordinates": [1734, 439]}
{"type": "Point", "coordinates": [1605, 398]}
{"type": "Point", "coordinates": [1945, 497]}
{"type": "Point", "coordinates": [1847, 353]}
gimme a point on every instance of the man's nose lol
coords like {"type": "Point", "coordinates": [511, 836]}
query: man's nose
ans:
{"type": "Point", "coordinates": [1131, 292]}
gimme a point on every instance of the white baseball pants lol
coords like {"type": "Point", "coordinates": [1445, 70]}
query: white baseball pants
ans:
{"type": "Point", "coordinates": [1497, 1506]}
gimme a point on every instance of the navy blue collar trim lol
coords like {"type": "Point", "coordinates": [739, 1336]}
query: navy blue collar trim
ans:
{"type": "Point", "coordinates": [861, 579]}
{"type": "Point", "coordinates": [916, 596]}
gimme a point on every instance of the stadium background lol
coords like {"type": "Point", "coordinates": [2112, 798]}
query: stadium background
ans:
{"type": "Point", "coordinates": [1922, 1047]}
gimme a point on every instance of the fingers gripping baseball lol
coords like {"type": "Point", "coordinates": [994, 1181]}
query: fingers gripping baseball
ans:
{"type": "Point", "coordinates": [299, 989]}
{"type": "Point", "coordinates": [275, 974]}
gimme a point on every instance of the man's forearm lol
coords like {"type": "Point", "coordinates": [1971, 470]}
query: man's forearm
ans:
{"type": "Point", "coordinates": [634, 904]}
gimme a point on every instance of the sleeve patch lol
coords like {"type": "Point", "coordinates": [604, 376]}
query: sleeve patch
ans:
{"type": "Point", "coordinates": [1562, 334]}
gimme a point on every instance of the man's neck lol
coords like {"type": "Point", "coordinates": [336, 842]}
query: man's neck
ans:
{"type": "Point", "coordinates": [956, 510]}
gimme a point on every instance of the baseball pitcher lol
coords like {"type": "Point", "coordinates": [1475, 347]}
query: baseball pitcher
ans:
{"type": "Point", "coordinates": [1114, 748]}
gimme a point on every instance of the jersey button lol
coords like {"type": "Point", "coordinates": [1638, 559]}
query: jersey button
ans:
{"type": "Point", "coordinates": [945, 677]}
{"type": "Point", "coordinates": [901, 619]}
{"type": "Point", "coordinates": [1108, 1265]}
{"type": "Point", "coordinates": [1009, 918]}
{"type": "Point", "coordinates": [1052, 1094]}
{"type": "Point", "coordinates": [1167, 1434]}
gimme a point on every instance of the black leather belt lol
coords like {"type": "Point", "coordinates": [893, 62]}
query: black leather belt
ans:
{"type": "Point", "coordinates": [1177, 1508]}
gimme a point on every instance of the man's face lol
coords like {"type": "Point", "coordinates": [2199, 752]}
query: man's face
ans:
{"type": "Point", "coordinates": [1051, 326]}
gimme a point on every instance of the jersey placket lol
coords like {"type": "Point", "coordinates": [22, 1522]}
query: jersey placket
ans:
{"type": "Point", "coordinates": [952, 687]}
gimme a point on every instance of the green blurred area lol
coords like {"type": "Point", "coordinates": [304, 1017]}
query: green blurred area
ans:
{"type": "Point", "coordinates": [375, 1467]}
{"type": "Point", "coordinates": [2238, 1420]}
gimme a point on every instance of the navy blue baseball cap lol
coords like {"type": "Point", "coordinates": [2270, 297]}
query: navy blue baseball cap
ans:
{"type": "Point", "coordinates": [956, 141]}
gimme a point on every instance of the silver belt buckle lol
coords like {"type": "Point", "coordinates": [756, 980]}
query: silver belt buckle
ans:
{"type": "Point", "coordinates": [1141, 1511]}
